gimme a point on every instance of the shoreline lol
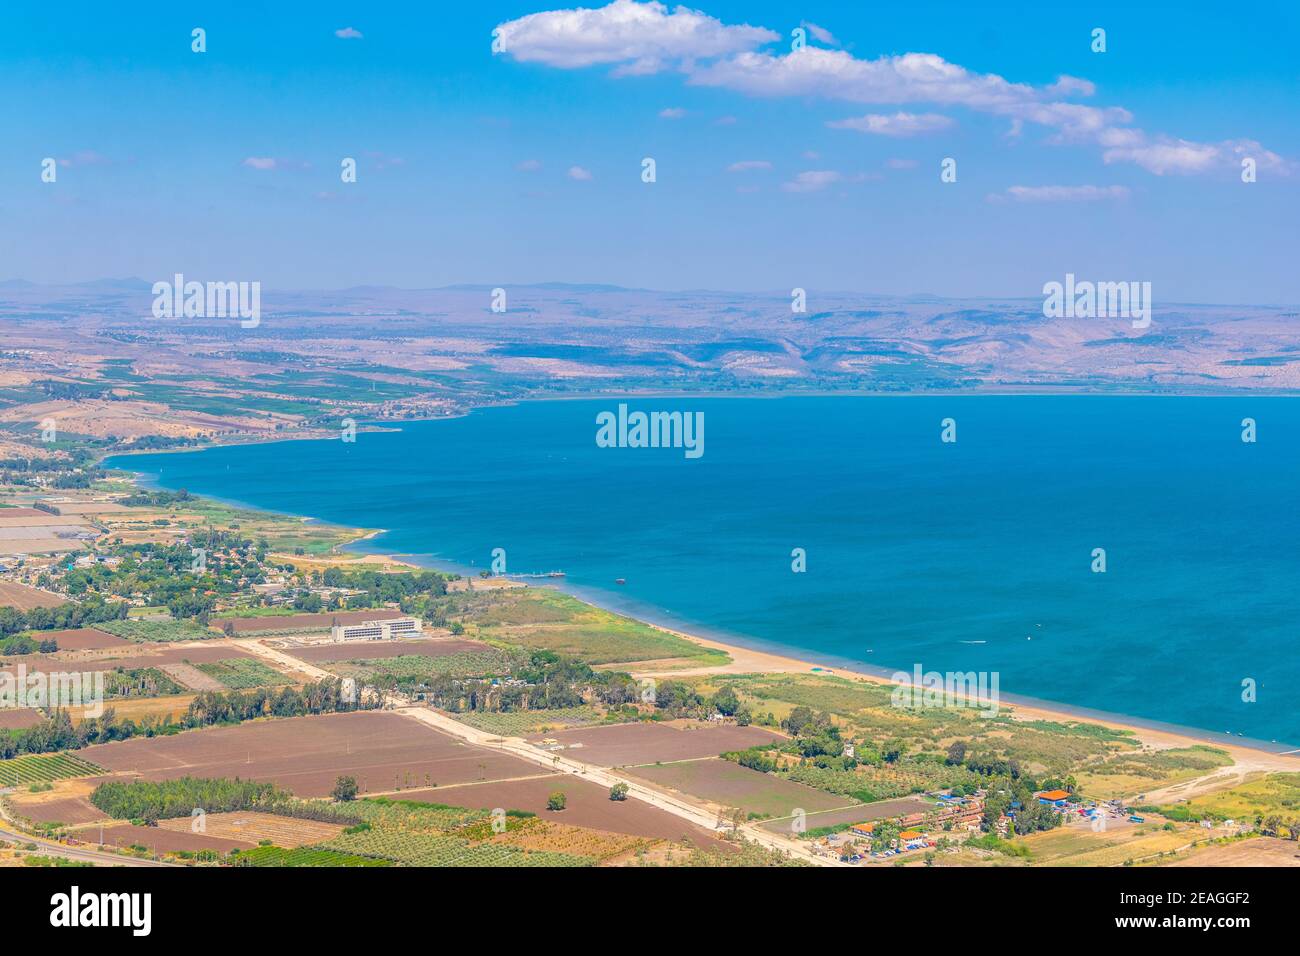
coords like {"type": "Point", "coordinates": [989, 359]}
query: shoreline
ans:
{"type": "Point", "coordinates": [753, 655]}
{"type": "Point", "coordinates": [750, 655]}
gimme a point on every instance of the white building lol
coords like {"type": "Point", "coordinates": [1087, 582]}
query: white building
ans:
{"type": "Point", "coordinates": [389, 629]}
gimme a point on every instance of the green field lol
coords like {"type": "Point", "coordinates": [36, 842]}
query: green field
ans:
{"type": "Point", "coordinates": [242, 673]}
{"type": "Point", "coordinates": [517, 723]}
{"type": "Point", "coordinates": [424, 849]}
{"type": "Point", "coordinates": [544, 619]}
{"type": "Point", "coordinates": [156, 630]}
{"type": "Point", "coordinates": [35, 768]}
{"type": "Point", "coordinates": [417, 666]}
{"type": "Point", "coordinates": [303, 856]}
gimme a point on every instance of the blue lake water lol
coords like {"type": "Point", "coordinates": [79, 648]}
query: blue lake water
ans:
{"type": "Point", "coordinates": [974, 555]}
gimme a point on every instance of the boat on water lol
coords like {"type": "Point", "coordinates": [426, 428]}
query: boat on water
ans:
{"type": "Point", "coordinates": [620, 580]}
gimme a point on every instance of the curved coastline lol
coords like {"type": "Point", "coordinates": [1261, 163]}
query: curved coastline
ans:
{"type": "Point", "coordinates": [796, 659]}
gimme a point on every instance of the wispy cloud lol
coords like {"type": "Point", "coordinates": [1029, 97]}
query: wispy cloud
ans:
{"type": "Point", "coordinates": [900, 124]}
{"type": "Point", "coordinates": [642, 38]}
{"type": "Point", "coordinates": [672, 112]}
{"type": "Point", "coordinates": [87, 157]}
{"type": "Point", "coordinates": [579, 174]}
{"type": "Point", "coordinates": [746, 165]}
{"type": "Point", "coordinates": [529, 165]}
{"type": "Point", "coordinates": [272, 162]}
{"type": "Point", "coordinates": [821, 34]}
{"type": "Point", "coordinates": [1061, 193]}
{"type": "Point", "coordinates": [812, 181]}
{"type": "Point", "coordinates": [350, 33]}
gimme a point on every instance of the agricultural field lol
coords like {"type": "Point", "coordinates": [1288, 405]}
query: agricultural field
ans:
{"type": "Point", "coordinates": [140, 708]}
{"type": "Point", "coordinates": [303, 856]}
{"type": "Point", "coordinates": [536, 835]}
{"type": "Point", "coordinates": [624, 745]}
{"type": "Point", "coordinates": [16, 718]}
{"type": "Point", "coordinates": [242, 673]}
{"type": "Point", "coordinates": [518, 723]}
{"type": "Point", "coordinates": [587, 805]}
{"type": "Point", "coordinates": [80, 638]}
{"type": "Point", "coordinates": [57, 802]}
{"type": "Point", "coordinates": [305, 755]}
{"type": "Point", "coordinates": [157, 841]}
{"type": "Point", "coordinates": [859, 813]}
{"type": "Point", "coordinates": [36, 768]}
{"type": "Point", "coordinates": [423, 849]}
{"type": "Point", "coordinates": [252, 827]}
{"type": "Point", "coordinates": [23, 598]}
{"type": "Point", "coordinates": [417, 666]}
{"type": "Point", "coordinates": [139, 682]}
{"type": "Point", "coordinates": [379, 650]}
{"type": "Point", "coordinates": [726, 784]}
{"type": "Point", "coordinates": [156, 631]}
{"type": "Point", "coordinates": [545, 619]}
{"type": "Point", "coordinates": [132, 657]}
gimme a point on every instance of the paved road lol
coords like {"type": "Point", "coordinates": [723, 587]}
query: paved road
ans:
{"type": "Point", "coordinates": [98, 857]}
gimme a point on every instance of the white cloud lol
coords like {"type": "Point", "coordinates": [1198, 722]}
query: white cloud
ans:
{"type": "Point", "coordinates": [900, 124]}
{"type": "Point", "coordinates": [672, 112]}
{"type": "Point", "coordinates": [529, 165]}
{"type": "Point", "coordinates": [811, 181]}
{"type": "Point", "coordinates": [349, 33]}
{"type": "Point", "coordinates": [821, 34]}
{"type": "Point", "coordinates": [745, 165]}
{"type": "Point", "coordinates": [1063, 193]}
{"type": "Point", "coordinates": [1180, 156]}
{"type": "Point", "coordinates": [640, 37]}
{"type": "Point", "coordinates": [579, 174]}
{"type": "Point", "coordinates": [1071, 86]}
{"type": "Point", "coordinates": [260, 162]}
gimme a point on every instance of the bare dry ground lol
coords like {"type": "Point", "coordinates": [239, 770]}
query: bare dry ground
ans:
{"type": "Point", "coordinates": [251, 827]}
{"type": "Point", "coordinates": [66, 802]}
{"type": "Point", "coordinates": [84, 639]}
{"type": "Point", "coordinates": [626, 745]}
{"type": "Point", "coordinates": [308, 754]}
{"type": "Point", "coordinates": [159, 840]}
{"type": "Point", "coordinates": [23, 598]}
{"type": "Point", "coordinates": [588, 805]}
{"type": "Point", "coordinates": [135, 656]}
{"type": "Point", "coordinates": [725, 784]}
{"type": "Point", "coordinates": [12, 718]}
{"type": "Point", "coordinates": [1256, 851]}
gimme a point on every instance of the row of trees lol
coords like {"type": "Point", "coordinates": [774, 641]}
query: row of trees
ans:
{"type": "Point", "coordinates": [540, 680]}
{"type": "Point", "coordinates": [210, 707]}
{"type": "Point", "coordinates": [151, 801]}
{"type": "Point", "coordinates": [69, 615]}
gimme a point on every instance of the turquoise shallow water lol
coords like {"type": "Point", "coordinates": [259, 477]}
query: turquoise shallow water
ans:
{"type": "Point", "coordinates": [967, 556]}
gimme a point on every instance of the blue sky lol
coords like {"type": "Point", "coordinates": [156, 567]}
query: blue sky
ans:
{"type": "Point", "coordinates": [526, 165]}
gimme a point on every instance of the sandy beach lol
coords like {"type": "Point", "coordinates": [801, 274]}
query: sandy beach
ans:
{"type": "Point", "coordinates": [1247, 760]}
